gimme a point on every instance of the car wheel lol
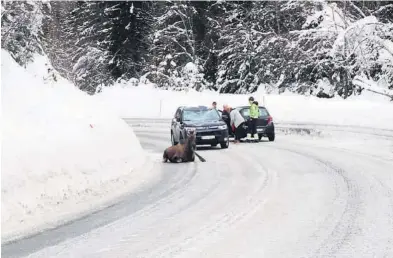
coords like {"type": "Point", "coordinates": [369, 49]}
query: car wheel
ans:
{"type": "Point", "coordinates": [213, 145]}
{"type": "Point", "coordinates": [225, 145]}
{"type": "Point", "coordinates": [173, 139]}
{"type": "Point", "coordinates": [271, 137]}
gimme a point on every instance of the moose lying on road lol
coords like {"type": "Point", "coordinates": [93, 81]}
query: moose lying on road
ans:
{"type": "Point", "coordinates": [183, 152]}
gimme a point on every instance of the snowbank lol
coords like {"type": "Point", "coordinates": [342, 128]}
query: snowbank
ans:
{"type": "Point", "coordinates": [62, 152]}
{"type": "Point", "coordinates": [148, 102]}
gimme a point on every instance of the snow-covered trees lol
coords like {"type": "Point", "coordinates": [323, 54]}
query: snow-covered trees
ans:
{"type": "Point", "coordinates": [236, 48]}
{"type": "Point", "coordinates": [77, 41]}
{"type": "Point", "coordinates": [21, 29]}
{"type": "Point", "coordinates": [128, 33]}
{"type": "Point", "coordinates": [96, 43]}
{"type": "Point", "coordinates": [256, 51]}
{"type": "Point", "coordinates": [91, 58]}
{"type": "Point", "coordinates": [364, 49]}
{"type": "Point", "coordinates": [307, 47]}
{"type": "Point", "coordinates": [294, 47]}
{"type": "Point", "coordinates": [174, 45]}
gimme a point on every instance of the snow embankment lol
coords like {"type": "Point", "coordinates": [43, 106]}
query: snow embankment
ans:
{"type": "Point", "coordinates": [62, 153]}
{"type": "Point", "coordinates": [146, 101]}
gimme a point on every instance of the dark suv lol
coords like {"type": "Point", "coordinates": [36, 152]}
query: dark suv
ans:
{"type": "Point", "coordinates": [209, 127]}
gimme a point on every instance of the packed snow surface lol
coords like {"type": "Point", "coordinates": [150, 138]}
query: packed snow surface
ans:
{"type": "Point", "coordinates": [326, 195]}
{"type": "Point", "coordinates": [62, 152]}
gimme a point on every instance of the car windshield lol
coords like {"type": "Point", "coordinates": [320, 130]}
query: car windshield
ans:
{"type": "Point", "coordinates": [200, 115]}
{"type": "Point", "coordinates": [262, 112]}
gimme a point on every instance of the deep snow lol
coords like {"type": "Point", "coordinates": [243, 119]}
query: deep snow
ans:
{"type": "Point", "coordinates": [367, 110]}
{"type": "Point", "coordinates": [62, 152]}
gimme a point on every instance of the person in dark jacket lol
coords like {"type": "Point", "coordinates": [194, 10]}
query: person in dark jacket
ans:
{"type": "Point", "coordinates": [227, 118]}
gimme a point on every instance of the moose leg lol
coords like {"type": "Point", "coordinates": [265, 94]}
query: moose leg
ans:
{"type": "Point", "coordinates": [173, 159]}
{"type": "Point", "coordinates": [165, 156]}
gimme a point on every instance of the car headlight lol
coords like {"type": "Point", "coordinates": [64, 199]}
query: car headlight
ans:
{"type": "Point", "coordinates": [222, 127]}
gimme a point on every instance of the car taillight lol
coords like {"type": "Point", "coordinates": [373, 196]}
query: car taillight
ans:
{"type": "Point", "coordinates": [269, 119]}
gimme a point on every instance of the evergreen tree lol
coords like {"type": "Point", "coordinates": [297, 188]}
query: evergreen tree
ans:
{"type": "Point", "coordinates": [238, 58]}
{"type": "Point", "coordinates": [131, 23]}
{"type": "Point", "coordinates": [81, 30]}
{"type": "Point", "coordinates": [58, 43]}
{"type": "Point", "coordinates": [231, 46]}
{"type": "Point", "coordinates": [174, 49]}
{"type": "Point", "coordinates": [21, 29]}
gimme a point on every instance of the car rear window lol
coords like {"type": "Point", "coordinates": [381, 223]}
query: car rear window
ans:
{"type": "Point", "coordinates": [262, 112]}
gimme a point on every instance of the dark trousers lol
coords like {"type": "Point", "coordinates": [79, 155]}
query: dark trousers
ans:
{"type": "Point", "coordinates": [239, 132]}
{"type": "Point", "coordinates": [229, 129]}
{"type": "Point", "coordinates": [252, 126]}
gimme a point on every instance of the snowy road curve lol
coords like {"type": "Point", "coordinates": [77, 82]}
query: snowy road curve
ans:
{"type": "Point", "coordinates": [312, 195]}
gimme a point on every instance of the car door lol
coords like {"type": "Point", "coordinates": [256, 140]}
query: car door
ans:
{"type": "Point", "coordinates": [176, 125]}
{"type": "Point", "coordinates": [245, 112]}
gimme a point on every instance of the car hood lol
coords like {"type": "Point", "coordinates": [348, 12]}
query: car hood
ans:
{"type": "Point", "coordinates": [203, 123]}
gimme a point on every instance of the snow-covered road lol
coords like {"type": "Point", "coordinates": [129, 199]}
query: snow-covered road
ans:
{"type": "Point", "coordinates": [327, 193]}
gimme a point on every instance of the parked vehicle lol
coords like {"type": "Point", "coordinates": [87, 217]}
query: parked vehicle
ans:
{"type": "Point", "coordinates": [208, 124]}
{"type": "Point", "coordinates": [265, 125]}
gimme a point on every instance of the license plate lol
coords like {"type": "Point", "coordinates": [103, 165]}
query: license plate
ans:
{"type": "Point", "coordinates": [259, 130]}
{"type": "Point", "coordinates": [208, 137]}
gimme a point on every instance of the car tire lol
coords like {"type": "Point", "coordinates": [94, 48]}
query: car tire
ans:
{"type": "Point", "coordinates": [271, 137]}
{"type": "Point", "coordinates": [225, 145]}
{"type": "Point", "coordinates": [213, 145]}
{"type": "Point", "coordinates": [173, 139]}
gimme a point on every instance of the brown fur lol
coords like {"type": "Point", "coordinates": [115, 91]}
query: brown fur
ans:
{"type": "Point", "coordinates": [181, 152]}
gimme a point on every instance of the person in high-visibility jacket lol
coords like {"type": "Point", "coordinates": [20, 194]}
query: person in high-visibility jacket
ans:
{"type": "Point", "coordinates": [254, 115]}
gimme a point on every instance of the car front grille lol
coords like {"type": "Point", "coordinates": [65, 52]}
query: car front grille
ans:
{"type": "Point", "coordinates": [203, 128]}
{"type": "Point", "coordinates": [216, 133]}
